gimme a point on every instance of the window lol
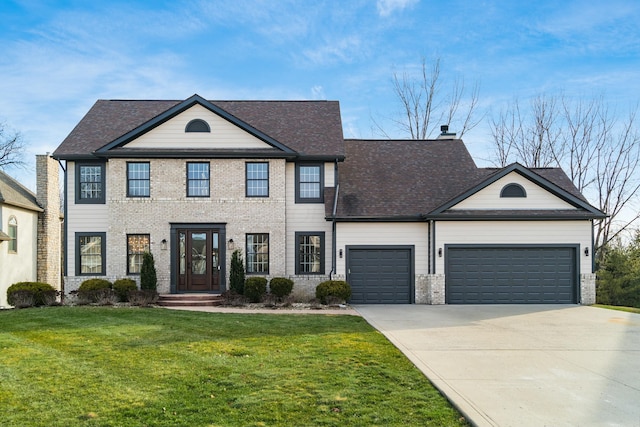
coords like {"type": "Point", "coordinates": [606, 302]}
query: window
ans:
{"type": "Point", "coordinates": [257, 180]}
{"type": "Point", "coordinates": [197, 125]}
{"type": "Point", "coordinates": [90, 183]}
{"type": "Point", "coordinates": [513, 190]}
{"type": "Point", "coordinates": [13, 234]}
{"type": "Point", "coordinates": [310, 253]}
{"type": "Point", "coordinates": [309, 180]}
{"type": "Point", "coordinates": [258, 253]}
{"type": "Point", "coordinates": [198, 179]}
{"type": "Point", "coordinates": [138, 179]}
{"type": "Point", "coordinates": [137, 245]}
{"type": "Point", "coordinates": [90, 254]}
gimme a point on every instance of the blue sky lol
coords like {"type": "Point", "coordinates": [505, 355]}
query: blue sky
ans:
{"type": "Point", "coordinates": [58, 57]}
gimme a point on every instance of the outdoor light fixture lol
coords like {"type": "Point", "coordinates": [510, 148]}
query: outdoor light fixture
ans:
{"type": "Point", "coordinates": [340, 252]}
{"type": "Point", "coordinates": [586, 251]}
{"type": "Point", "coordinates": [164, 244]}
{"type": "Point", "coordinates": [440, 252]}
{"type": "Point", "coordinates": [230, 244]}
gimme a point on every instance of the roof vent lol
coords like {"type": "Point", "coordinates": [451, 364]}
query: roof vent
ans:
{"type": "Point", "coordinates": [445, 134]}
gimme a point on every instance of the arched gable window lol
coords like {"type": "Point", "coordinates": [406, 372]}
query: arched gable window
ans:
{"type": "Point", "coordinates": [13, 234]}
{"type": "Point", "coordinates": [513, 190]}
{"type": "Point", "coordinates": [197, 125]}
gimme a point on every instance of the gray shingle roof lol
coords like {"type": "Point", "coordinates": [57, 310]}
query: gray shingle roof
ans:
{"type": "Point", "coordinates": [15, 194]}
{"type": "Point", "coordinates": [402, 178]}
{"type": "Point", "coordinates": [311, 128]}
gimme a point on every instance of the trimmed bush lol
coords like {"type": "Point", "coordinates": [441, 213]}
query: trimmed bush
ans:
{"type": "Point", "coordinates": [236, 276]}
{"type": "Point", "coordinates": [94, 285]}
{"type": "Point", "coordinates": [143, 297]}
{"type": "Point", "coordinates": [281, 286]}
{"type": "Point", "coordinates": [255, 288]}
{"type": "Point", "coordinates": [122, 287]}
{"type": "Point", "coordinates": [148, 277]}
{"type": "Point", "coordinates": [333, 288]}
{"type": "Point", "coordinates": [37, 289]}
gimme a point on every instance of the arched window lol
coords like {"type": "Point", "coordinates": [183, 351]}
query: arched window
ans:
{"type": "Point", "coordinates": [13, 234]}
{"type": "Point", "coordinates": [197, 125]}
{"type": "Point", "coordinates": [513, 190]}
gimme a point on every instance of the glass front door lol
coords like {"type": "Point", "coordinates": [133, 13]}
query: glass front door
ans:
{"type": "Point", "coordinates": [198, 260]}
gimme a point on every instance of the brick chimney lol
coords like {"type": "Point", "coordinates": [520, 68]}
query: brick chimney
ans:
{"type": "Point", "coordinates": [49, 222]}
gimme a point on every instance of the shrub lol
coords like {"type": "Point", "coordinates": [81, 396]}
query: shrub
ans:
{"type": "Point", "coordinates": [234, 299]}
{"type": "Point", "coordinates": [104, 296]}
{"type": "Point", "coordinates": [122, 287]}
{"type": "Point", "coordinates": [143, 297]}
{"type": "Point", "coordinates": [281, 286]}
{"type": "Point", "coordinates": [236, 276]}
{"type": "Point", "coordinates": [333, 288]}
{"type": "Point", "coordinates": [94, 285]}
{"type": "Point", "coordinates": [37, 290]}
{"type": "Point", "coordinates": [22, 299]}
{"type": "Point", "coordinates": [148, 277]}
{"type": "Point", "coordinates": [255, 288]}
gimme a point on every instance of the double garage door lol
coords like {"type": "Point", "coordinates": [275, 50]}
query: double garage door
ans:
{"type": "Point", "coordinates": [380, 274]}
{"type": "Point", "coordinates": [511, 275]}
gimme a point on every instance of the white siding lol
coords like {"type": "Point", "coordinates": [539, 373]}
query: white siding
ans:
{"type": "Point", "coordinates": [306, 217]}
{"type": "Point", "coordinates": [383, 233]}
{"type": "Point", "coordinates": [82, 217]}
{"type": "Point", "coordinates": [20, 266]}
{"type": "Point", "coordinates": [515, 232]}
{"type": "Point", "coordinates": [489, 197]}
{"type": "Point", "coordinates": [171, 134]}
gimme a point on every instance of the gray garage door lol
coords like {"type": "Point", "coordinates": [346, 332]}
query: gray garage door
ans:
{"type": "Point", "coordinates": [511, 275]}
{"type": "Point", "coordinates": [380, 275]}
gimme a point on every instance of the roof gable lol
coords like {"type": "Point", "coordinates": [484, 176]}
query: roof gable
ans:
{"type": "Point", "coordinates": [557, 198]}
{"type": "Point", "coordinates": [222, 134]}
{"type": "Point", "coordinates": [304, 129]}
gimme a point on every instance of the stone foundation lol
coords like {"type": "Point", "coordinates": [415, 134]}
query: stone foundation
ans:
{"type": "Point", "coordinates": [587, 289]}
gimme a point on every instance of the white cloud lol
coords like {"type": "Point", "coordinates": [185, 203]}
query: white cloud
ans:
{"type": "Point", "coordinates": [317, 92]}
{"type": "Point", "coordinates": [387, 7]}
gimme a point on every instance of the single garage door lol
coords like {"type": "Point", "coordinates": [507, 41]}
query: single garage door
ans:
{"type": "Point", "coordinates": [511, 275]}
{"type": "Point", "coordinates": [380, 275]}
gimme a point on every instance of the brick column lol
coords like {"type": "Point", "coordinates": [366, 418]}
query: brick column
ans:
{"type": "Point", "coordinates": [49, 222]}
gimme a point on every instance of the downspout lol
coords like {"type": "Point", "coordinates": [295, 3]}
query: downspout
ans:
{"type": "Point", "coordinates": [334, 261]}
{"type": "Point", "coordinates": [65, 249]}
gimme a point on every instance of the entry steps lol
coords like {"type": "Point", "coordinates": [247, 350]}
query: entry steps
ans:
{"type": "Point", "coordinates": [190, 300]}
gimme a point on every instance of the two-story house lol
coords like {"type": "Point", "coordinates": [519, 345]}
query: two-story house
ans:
{"type": "Point", "coordinates": [193, 180]}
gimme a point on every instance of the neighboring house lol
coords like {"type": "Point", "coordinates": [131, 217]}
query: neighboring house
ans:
{"type": "Point", "coordinates": [30, 229]}
{"type": "Point", "coordinates": [402, 221]}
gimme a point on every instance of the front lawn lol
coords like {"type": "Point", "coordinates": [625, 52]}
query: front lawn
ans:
{"type": "Point", "coordinates": [87, 366]}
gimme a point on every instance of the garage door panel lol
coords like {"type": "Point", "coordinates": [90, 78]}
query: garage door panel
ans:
{"type": "Point", "coordinates": [477, 275]}
{"type": "Point", "coordinates": [380, 276]}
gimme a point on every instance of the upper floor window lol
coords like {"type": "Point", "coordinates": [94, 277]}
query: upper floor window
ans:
{"type": "Point", "coordinates": [258, 253]}
{"type": "Point", "coordinates": [257, 180]}
{"type": "Point", "coordinates": [13, 234]}
{"type": "Point", "coordinates": [90, 254]}
{"type": "Point", "coordinates": [309, 183]}
{"type": "Point", "coordinates": [198, 179]}
{"type": "Point", "coordinates": [197, 125]}
{"type": "Point", "coordinates": [513, 190]}
{"type": "Point", "coordinates": [90, 183]}
{"type": "Point", "coordinates": [137, 245]}
{"type": "Point", "coordinates": [138, 179]}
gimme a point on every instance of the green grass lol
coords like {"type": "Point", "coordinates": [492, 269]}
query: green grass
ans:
{"type": "Point", "coordinates": [619, 308]}
{"type": "Point", "coordinates": [87, 366]}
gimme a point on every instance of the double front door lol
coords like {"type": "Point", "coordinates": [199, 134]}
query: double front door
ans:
{"type": "Point", "coordinates": [198, 260]}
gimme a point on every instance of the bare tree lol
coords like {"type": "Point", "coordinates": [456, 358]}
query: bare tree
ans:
{"type": "Point", "coordinates": [424, 107]}
{"type": "Point", "coordinates": [11, 148]}
{"type": "Point", "coordinates": [600, 154]}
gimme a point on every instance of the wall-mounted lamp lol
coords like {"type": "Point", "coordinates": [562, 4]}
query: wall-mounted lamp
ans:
{"type": "Point", "coordinates": [440, 252]}
{"type": "Point", "coordinates": [231, 245]}
{"type": "Point", "coordinates": [164, 244]}
{"type": "Point", "coordinates": [586, 251]}
{"type": "Point", "coordinates": [340, 253]}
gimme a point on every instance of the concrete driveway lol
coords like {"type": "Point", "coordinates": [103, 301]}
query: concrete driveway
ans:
{"type": "Point", "coordinates": [521, 365]}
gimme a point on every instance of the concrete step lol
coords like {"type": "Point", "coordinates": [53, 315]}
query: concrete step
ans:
{"type": "Point", "coordinates": [187, 300]}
